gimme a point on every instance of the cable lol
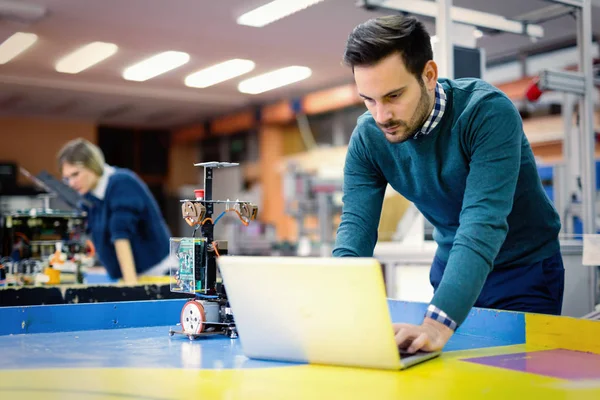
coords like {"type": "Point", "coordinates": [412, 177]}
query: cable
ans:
{"type": "Point", "coordinates": [226, 211]}
{"type": "Point", "coordinates": [206, 296]}
{"type": "Point", "coordinates": [219, 217]}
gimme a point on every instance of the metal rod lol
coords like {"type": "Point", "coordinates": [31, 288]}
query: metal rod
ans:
{"type": "Point", "coordinates": [547, 13]}
{"type": "Point", "coordinates": [563, 81]}
{"type": "Point", "coordinates": [574, 3]}
{"type": "Point", "coordinates": [443, 26]}
{"type": "Point", "coordinates": [587, 143]}
{"type": "Point", "coordinates": [208, 189]}
{"type": "Point", "coordinates": [458, 14]}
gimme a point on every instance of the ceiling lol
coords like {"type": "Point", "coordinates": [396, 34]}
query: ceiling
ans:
{"type": "Point", "coordinates": [206, 29]}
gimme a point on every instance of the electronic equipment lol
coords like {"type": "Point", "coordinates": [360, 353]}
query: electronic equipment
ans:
{"type": "Point", "coordinates": [196, 272]}
{"type": "Point", "coordinates": [41, 243]}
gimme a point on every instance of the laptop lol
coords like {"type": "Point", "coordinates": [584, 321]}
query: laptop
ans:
{"type": "Point", "coordinates": [328, 311]}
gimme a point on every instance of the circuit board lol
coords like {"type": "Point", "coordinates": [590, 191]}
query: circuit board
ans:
{"type": "Point", "coordinates": [190, 276]}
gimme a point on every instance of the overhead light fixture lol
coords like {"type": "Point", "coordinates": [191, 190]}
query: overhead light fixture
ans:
{"type": "Point", "coordinates": [274, 11]}
{"type": "Point", "coordinates": [274, 79]}
{"type": "Point", "coordinates": [155, 65]}
{"type": "Point", "coordinates": [219, 73]}
{"type": "Point", "coordinates": [85, 56]}
{"type": "Point", "coordinates": [15, 45]}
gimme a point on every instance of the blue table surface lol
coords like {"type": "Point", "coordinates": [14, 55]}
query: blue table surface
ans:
{"type": "Point", "coordinates": [149, 347]}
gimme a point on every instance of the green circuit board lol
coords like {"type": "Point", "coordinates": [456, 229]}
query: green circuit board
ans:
{"type": "Point", "coordinates": [190, 274]}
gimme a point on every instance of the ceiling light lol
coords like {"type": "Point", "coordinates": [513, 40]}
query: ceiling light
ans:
{"type": "Point", "coordinates": [15, 45]}
{"type": "Point", "coordinates": [274, 79]}
{"type": "Point", "coordinates": [155, 65]}
{"type": "Point", "coordinates": [85, 56]}
{"type": "Point", "coordinates": [219, 73]}
{"type": "Point", "coordinates": [273, 11]}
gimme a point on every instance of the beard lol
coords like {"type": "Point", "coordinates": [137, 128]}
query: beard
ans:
{"type": "Point", "coordinates": [405, 130]}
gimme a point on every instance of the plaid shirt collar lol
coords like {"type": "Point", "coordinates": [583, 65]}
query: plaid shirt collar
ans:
{"type": "Point", "coordinates": [436, 114]}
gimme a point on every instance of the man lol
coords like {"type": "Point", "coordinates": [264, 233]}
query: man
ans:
{"type": "Point", "coordinates": [456, 149]}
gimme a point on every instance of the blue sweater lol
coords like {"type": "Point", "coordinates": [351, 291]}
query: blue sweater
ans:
{"type": "Point", "coordinates": [473, 177]}
{"type": "Point", "coordinates": [127, 211]}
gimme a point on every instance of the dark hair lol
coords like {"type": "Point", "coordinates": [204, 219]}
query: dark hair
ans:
{"type": "Point", "coordinates": [379, 37]}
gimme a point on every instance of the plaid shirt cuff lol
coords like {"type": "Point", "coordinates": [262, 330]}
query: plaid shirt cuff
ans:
{"type": "Point", "coordinates": [435, 313]}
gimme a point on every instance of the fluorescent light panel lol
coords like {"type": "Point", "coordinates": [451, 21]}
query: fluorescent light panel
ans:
{"type": "Point", "coordinates": [219, 73]}
{"type": "Point", "coordinates": [155, 65]}
{"type": "Point", "coordinates": [85, 56]}
{"type": "Point", "coordinates": [274, 11]}
{"type": "Point", "coordinates": [274, 79]}
{"type": "Point", "coordinates": [15, 45]}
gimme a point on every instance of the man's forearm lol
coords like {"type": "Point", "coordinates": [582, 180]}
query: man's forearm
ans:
{"type": "Point", "coordinates": [464, 277]}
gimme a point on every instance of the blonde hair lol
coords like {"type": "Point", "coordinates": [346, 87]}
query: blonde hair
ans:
{"type": "Point", "coordinates": [82, 152]}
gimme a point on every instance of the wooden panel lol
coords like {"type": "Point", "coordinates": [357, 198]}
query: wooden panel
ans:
{"type": "Point", "coordinates": [189, 134]}
{"type": "Point", "coordinates": [515, 90]}
{"type": "Point", "coordinates": [292, 141]}
{"type": "Point", "coordinates": [551, 152]}
{"type": "Point", "coordinates": [271, 180]}
{"type": "Point", "coordinates": [331, 99]}
{"type": "Point", "coordinates": [233, 123]}
{"type": "Point", "coordinates": [34, 143]}
{"type": "Point", "coordinates": [181, 166]}
{"type": "Point", "coordinates": [279, 113]}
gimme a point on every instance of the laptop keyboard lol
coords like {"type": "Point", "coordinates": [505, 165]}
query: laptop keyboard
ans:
{"type": "Point", "coordinates": [403, 353]}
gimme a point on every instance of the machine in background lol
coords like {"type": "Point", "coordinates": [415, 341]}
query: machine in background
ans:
{"type": "Point", "coordinates": [305, 195]}
{"type": "Point", "coordinates": [41, 244]}
{"type": "Point", "coordinates": [196, 272]}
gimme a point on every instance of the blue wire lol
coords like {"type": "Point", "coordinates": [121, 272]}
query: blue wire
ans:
{"type": "Point", "coordinates": [219, 217]}
{"type": "Point", "coordinates": [204, 296]}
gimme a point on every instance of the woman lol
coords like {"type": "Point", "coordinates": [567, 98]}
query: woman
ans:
{"type": "Point", "coordinates": [128, 231]}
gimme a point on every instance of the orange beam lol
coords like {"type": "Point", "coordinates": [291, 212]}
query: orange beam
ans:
{"type": "Point", "coordinates": [330, 99]}
{"type": "Point", "coordinates": [188, 135]}
{"type": "Point", "coordinates": [515, 90]}
{"type": "Point", "coordinates": [552, 151]}
{"type": "Point", "coordinates": [278, 113]}
{"type": "Point", "coordinates": [233, 123]}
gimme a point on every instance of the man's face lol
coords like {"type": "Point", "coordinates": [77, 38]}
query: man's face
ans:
{"type": "Point", "coordinates": [399, 102]}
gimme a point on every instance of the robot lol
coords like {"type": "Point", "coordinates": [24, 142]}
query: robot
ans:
{"type": "Point", "coordinates": [196, 273]}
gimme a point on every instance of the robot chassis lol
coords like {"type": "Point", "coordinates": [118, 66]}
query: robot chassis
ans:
{"type": "Point", "coordinates": [209, 313]}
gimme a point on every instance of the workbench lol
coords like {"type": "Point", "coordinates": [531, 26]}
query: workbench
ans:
{"type": "Point", "coordinates": [123, 350]}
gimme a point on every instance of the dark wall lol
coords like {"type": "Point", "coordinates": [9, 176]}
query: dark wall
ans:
{"type": "Point", "coordinates": [146, 152]}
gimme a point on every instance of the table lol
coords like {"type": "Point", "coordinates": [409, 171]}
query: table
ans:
{"type": "Point", "coordinates": [123, 351]}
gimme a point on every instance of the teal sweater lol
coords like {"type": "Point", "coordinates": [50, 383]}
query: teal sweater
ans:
{"type": "Point", "coordinates": [473, 177]}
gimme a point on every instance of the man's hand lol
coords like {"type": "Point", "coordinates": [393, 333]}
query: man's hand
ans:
{"type": "Point", "coordinates": [429, 336]}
